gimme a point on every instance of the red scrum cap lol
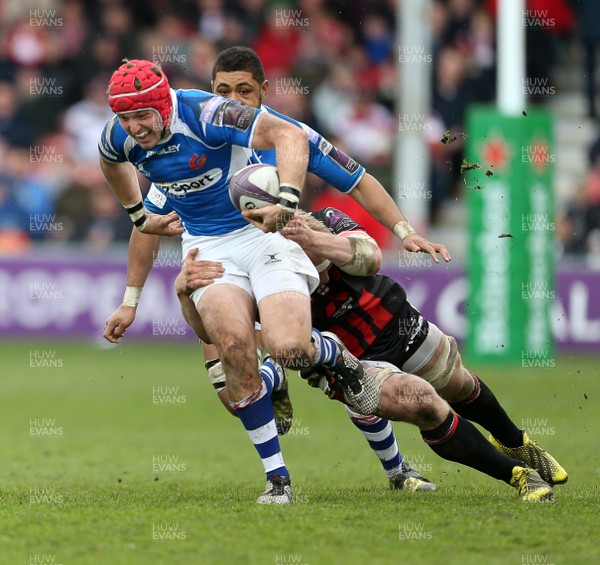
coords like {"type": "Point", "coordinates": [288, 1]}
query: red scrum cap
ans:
{"type": "Point", "coordinates": [138, 85]}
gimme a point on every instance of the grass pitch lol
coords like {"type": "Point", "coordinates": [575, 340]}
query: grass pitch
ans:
{"type": "Point", "coordinates": [125, 456]}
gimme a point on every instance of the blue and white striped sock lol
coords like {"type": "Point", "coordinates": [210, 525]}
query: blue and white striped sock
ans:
{"type": "Point", "coordinates": [272, 374]}
{"type": "Point", "coordinates": [326, 350]}
{"type": "Point", "coordinates": [380, 435]}
{"type": "Point", "coordinates": [256, 413]}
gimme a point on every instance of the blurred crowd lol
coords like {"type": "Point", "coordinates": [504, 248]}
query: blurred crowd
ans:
{"type": "Point", "coordinates": [332, 64]}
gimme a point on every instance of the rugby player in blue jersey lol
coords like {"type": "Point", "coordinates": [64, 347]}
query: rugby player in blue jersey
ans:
{"type": "Point", "coordinates": [189, 143]}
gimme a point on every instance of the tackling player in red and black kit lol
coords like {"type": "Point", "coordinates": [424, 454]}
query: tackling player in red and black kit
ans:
{"type": "Point", "coordinates": [365, 310]}
{"type": "Point", "coordinates": [373, 317]}
{"type": "Point", "coordinates": [380, 325]}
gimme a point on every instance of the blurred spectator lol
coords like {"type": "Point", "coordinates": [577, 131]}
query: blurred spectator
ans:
{"type": "Point", "coordinates": [252, 13]}
{"type": "Point", "coordinates": [51, 162]}
{"type": "Point", "coordinates": [235, 33]}
{"type": "Point", "coordinates": [333, 96]}
{"type": "Point", "coordinates": [74, 29]}
{"type": "Point", "coordinates": [441, 176]}
{"type": "Point", "coordinates": [168, 45]}
{"type": "Point", "coordinates": [439, 20]}
{"type": "Point", "coordinates": [291, 97]}
{"type": "Point", "coordinates": [83, 122]}
{"type": "Point", "coordinates": [451, 95]}
{"type": "Point", "coordinates": [460, 12]}
{"type": "Point", "coordinates": [571, 230]}
{"type": "Point", "coordinates": [322, 43]}
{"type": "Point", "coordinates": [312, 61]}
{"type": "Point", "coordinates": [589, 32]}
{"type": "Point", "coordinates": [334, 38]}
{"type": "Point", "coordinates": [481, 41]}
{"type": "Point", "coordinates": [387, 84]}
{"type": "Point", "coordinates": [368, 130]}
{"type": "Point", "coordinates": [116, 21]}
{"type": "Point", "coordinates": [26, 207]}
{"type": "Point", "coordinates": [15, 126]}
{"type": "Point", "coordinates": [27, 45]}
{"type": "Point", "coordinates": [103, 54]}
{"type": "Point", "coordinates": [43, 96]}
{"type": "Point", "coordinates": [367, 77]}
{"type": "Point", "coordinates": [213, 19]}
{"type": "Point", "coordinates": [378, 39]}
{"type": "Point", "coordinates": [593, 250]}
{"type": "Point", "coordinates": [580, 221]}
{"type": "Point", "coordinates": [202, 56]}
{"type": "Point", "coordinates": [107, 222]}
{"type": "Point", "coordinates": [91, 214]}
{"type": "Point", "coordinates": [450, 91]}
{"type": "Point", "coordinates": [277, 42]}
{"type": "Point", "coordinates": [592, 196]}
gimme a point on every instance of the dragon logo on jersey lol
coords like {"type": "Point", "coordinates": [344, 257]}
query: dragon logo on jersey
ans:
{"type": "Point", "coordinates": [182, 187]}
{"type": "Point", "coordinates": [197, 162]}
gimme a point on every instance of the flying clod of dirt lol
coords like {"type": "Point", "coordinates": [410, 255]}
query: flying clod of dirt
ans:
{"type": "Point", "coordinates": [466, 166]}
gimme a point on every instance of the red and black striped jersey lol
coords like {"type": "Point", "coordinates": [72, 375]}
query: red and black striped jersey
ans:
{"type": "Point", "coordinates": [357, 309]}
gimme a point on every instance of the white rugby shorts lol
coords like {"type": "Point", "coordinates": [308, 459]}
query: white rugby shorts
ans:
{"type": "Point", "coordinates": [259, 263]}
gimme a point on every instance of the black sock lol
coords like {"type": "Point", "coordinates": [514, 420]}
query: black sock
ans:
{"type": "Point", "coordinates": [460, 441]}
{"type": "Point", "coordinates": [483, 407]}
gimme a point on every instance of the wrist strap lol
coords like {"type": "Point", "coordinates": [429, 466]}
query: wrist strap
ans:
{"type": "Point", "coordinates": [289, 196]}
{"type": "Point", "coordinates": [132, 296]}
{"type": "Point", "coordinates": [137, 213]}
{"type": "Point", "coordinates": [403, 228]}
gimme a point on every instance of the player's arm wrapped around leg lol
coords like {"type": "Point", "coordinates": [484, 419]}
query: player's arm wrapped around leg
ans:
{"type": "Point", "coordinates": [366, 401]}
{"type": "Point", "coordinates": [317, 380]}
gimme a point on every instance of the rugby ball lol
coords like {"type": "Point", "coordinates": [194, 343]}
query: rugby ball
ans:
{"type": "Point", "coordinates": [254, 186]}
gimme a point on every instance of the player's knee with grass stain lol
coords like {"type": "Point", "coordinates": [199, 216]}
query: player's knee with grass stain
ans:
{"type": "Point", "coordinates": [410, 399]}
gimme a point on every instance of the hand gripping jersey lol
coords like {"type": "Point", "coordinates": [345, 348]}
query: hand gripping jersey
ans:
{"type": "Point", "coordinates": [364, 311]}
